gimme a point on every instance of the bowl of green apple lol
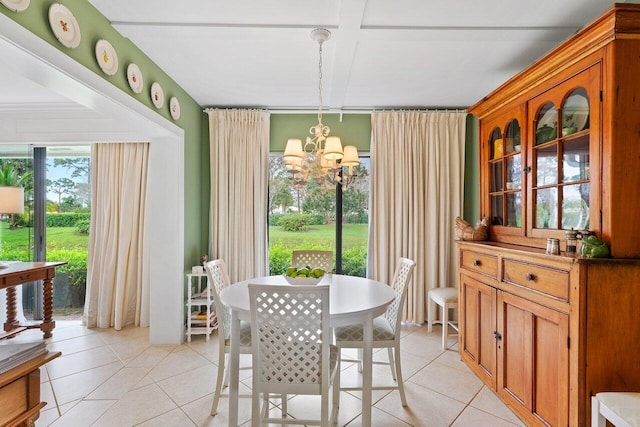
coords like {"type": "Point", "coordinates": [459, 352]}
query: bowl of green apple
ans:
{"type": "Point", "coordinates": [304, 275]}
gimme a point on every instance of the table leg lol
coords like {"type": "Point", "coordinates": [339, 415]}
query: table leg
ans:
{"type": "Point", "coordinates": [234, 368]}
{"type": "Point", "coordinates": [12, 313]}
{"type": "Point", "coordinates": [47, 323]}
{"type": "Point", "coordinates": [367, 371]}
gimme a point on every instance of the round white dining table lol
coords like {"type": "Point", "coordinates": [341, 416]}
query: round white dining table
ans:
{"type": "Point", "coordinates": [353, 300]}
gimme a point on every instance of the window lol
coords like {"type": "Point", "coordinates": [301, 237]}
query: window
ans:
{"type": "Point", "coordinates": [310, 219]}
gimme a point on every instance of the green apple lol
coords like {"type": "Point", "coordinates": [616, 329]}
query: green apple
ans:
{"type": "Point", "coordinates": [291, 271]}
{"type": "Point", "coordinates": [317, 273]}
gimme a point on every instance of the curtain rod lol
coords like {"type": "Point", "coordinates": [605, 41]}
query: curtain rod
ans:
{"type": "Point", "coordinates": [361, 111]}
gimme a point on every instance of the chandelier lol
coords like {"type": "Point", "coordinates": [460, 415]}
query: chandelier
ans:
{"type": "Point", "coordinates": [322, 157]}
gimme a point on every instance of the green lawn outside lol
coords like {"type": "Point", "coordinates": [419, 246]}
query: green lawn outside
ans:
{"type": "Point", "coordinates": [63, 244]}
{"type": "Point", "coordinates": [57, 238]}
{"type": "Point", "coordinates": [16, 245]}
{"type": "Point", "coordinates": [319, 237]}
{"type": "Point", "coordinates": [353, 235]}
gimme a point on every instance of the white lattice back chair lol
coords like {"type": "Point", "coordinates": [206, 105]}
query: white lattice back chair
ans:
{"type": "Point", "coordinates": [321, 259]}
{"type": "Point", "coordinates": [292, 350]}
{"type": "Point", "coordinates": [217, 275]}
{"type": "Point", "coordinates": [386, 332]}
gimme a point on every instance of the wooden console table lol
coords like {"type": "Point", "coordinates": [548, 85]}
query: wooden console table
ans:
{"type": "Point", "coordinates": [20, 392]}
{"type": "Point", "coordinates": [24, 272]}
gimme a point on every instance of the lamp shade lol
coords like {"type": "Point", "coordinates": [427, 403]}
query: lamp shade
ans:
{"type": "Point", "coordinates": [350, 156]}
{"type": "Point", "coordinates": [333, 148]}
{"type": "Point", "coordinates": [293, 150]}
{"type": "Point", "coordinates": [11, 200]}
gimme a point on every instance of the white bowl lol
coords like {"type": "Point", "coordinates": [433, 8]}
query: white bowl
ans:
{"type": "Point", "coordinates": [302, 280]}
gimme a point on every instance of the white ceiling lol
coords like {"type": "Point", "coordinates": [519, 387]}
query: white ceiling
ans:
{"type": "Point", "coordinates": [402, 53]}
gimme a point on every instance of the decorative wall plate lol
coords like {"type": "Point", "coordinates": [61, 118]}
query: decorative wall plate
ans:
{"type": "Point", "coordinates": [157, 95]}
{"type": "Point", "coordinates": [16, 5]}
{"type": "Point", "coordinates": [134, 76]}
{"type": "Point", "coordinates": [576, 111]}
{"type": "Point", "coordinates": [64, 25]}
{"type": "Point", "coordinates": [106, 57]}
{"type": "Point", "coordinates": [174, 108]}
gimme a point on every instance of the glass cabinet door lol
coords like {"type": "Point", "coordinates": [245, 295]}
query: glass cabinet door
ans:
{"type": "Point", "coordinates": [560, 174]}
{"type": "Point", "coordinates": [505, 202]}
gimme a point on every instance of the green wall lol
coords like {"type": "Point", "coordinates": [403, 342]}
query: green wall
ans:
{"type": "Point", "coordinates": [93, 27]}
{"type": "Point", "coordinates": [354, 129]}
{"type": "Point", "coordinates": [471, 211]}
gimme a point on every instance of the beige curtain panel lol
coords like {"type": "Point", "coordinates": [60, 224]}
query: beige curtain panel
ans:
{"type": "Point", "coordinates": [239, 150]}
{"type": "Point", "coordinates": [417, 185]}
{"type": "Point", "coordinates": [117, 279]}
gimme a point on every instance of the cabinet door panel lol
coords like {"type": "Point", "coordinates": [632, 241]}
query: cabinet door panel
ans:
{"type": "Point", "coordinates": [534, 357]}
{"type": "Point", "coordinates": [502, 176]}
{"type": "Point", "coordinates": [563, 188]}
{"type": "Point", "coordinates": [516, 342]}
{"type": "Point", "coordinates": [478, 323]}
{"type": "Point", "coordinates": [549, 367]}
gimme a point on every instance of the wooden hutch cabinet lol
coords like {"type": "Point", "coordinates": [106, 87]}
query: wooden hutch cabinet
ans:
{"type": "Point", "coordinates": [559, 150]}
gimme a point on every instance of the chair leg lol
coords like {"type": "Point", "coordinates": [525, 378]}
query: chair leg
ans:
{"type": "Point", "coordinates": [360, 353]}
{"type": "Point", "coordinates": [265, 406]}
{"type": "Point", "coordinates": [221, 375]}
{"type": "Point", "coordinates": [391, 364]}
{"type": "Point", "coordinates": [324, 409]}
{"type": "Point", "coordinates": [256, 412]}
{"type": "Point", "coordinates": [283, 405]}
{"type": "Point", "coordinates": [400, 381]}
{"type": "Point", "coordinates": [431, 315]}
{"type": "Point", "coordinates": [597, 420]}
{"type": "Point", "coordinates": [226, 375]}
{"type": "Point", "coordinates": [445, 327]}
{"type": "Point", "coordinates": [336, 383]}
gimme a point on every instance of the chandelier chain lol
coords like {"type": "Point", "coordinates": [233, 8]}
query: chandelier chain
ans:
{"type": "Point", "coordinates": [320, 84]}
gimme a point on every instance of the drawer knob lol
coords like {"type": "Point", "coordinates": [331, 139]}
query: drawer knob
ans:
{"type": "Point", "coordinates": [531, 277]}
{"type": "Point", "coordinates": [476, 262]}
{"type": "Point", "coordinates": [497, 335]}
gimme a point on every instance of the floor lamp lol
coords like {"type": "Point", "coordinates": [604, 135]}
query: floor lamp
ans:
{"type": "Point", "coordinates": [11, 202]}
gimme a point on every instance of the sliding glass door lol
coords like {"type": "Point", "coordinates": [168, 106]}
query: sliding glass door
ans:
{"type": "Point", "coordinates": [68, 213]}
{"type": "Point", "coordinates": [315, 219]}
{"type": "Point", "coordinates": [55, 223]}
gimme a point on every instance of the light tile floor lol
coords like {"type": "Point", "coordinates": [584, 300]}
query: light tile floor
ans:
{"type": "Point", "coordinates": [109, 378]}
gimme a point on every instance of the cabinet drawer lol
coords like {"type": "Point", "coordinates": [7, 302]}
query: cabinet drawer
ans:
{"type": "Point", "coordinates": [481, 263]}
{"type": "Point", "coordinates": [543, 279]}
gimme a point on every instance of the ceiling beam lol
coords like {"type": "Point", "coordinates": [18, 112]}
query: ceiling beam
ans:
{"type": "Point", "coordinates": [349, 22]}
